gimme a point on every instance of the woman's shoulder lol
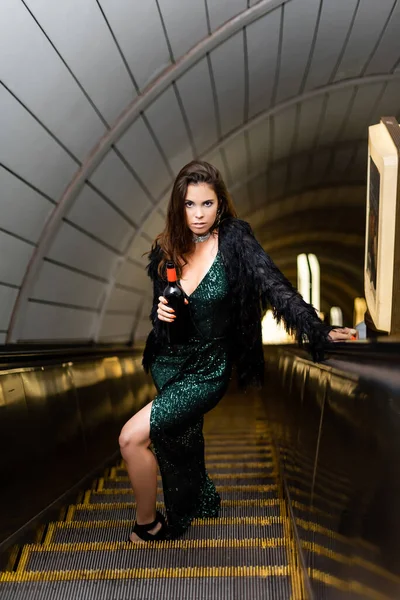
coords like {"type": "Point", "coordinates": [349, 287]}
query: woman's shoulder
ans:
{"type": "Point", "coordinates": [234, 225]}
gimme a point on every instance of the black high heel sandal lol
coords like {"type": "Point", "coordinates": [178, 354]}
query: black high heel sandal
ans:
{"type": "Point", "coordinates": [142, 531]}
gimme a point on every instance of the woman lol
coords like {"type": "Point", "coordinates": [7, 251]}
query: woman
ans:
{"type": "Point", "coordinates": [228, 279]}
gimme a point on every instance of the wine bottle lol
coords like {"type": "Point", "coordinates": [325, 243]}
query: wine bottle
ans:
{"type": "Point", "coordinates": [177, 330]}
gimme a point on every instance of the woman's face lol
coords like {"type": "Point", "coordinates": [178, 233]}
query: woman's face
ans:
{"type": "Point", "coordinates": [201, 205]}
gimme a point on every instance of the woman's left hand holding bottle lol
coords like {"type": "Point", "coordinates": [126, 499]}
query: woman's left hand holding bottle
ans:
{"type": "Point", "coordinates": [164, 312]}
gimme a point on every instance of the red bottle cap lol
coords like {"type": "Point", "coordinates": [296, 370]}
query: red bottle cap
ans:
{"type": "Point", "coordinates": [171, 273]}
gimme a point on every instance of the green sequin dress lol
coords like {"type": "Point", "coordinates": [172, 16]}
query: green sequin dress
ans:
{"type": "Point", "coordinates": [190, 380]}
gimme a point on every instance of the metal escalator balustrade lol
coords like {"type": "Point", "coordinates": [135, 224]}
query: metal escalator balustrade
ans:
{"type": "Point", "coordinates": [336, 426]}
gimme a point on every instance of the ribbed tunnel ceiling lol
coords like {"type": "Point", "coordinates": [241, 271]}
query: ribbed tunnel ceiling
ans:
{"type": "Point", "coordinates": [103, 101]}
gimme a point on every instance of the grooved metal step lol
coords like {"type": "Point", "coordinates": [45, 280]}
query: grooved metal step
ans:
{"type": "Point", "coordinates": [125, 511]}
{"type": "Point", "coordinates": [257, 478]}
{"type": "Point", "coordinates": [214, 468]}
{"type": "Point", "coordinates": [246, 584]}
{"type": "Point", "coordinates": [220, 528]}
{"type": "Point", "coordinates": [75, 557]}
{"type": "Point", "coordinates": [260, 455]}
{"type": "Point", "coordinates": [237, 492]}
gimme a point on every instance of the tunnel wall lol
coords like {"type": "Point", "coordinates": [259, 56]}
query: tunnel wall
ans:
{"type": "Point", "coordinates": [59, 420]}
{"type": "Point", "coordinates": [337, 429]}
{"type": "Point", "coordinates": [103, 102]}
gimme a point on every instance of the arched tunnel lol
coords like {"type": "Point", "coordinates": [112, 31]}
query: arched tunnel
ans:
{"type": "Point", "coordinates": [102, 102]}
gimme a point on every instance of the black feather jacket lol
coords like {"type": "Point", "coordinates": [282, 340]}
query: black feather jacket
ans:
{"type": "Point", "coordinates": [255, 282]}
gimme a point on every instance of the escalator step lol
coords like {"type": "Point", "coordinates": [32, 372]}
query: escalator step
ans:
{"type": "Point", "coordinates": [101, 512]}
{"type": "Point", "coordinates": [237, 446]}
{"type": "Point", "coordinates": [213, 467]}
{"type": "Point", "coordinates": [257, 478]}
{"type": "Point", "coordinates": [247, 584]}
{"type": "Point", "coordinates": [249, 456]}
{"type": "Point", "coordinates": [174, 558]}
{"type": "Point", "coordinates": [222, 528]}
{"type": "Point", "coordinates": [237, 492]}
{"type": "Point", "coordinates": [212, 457]}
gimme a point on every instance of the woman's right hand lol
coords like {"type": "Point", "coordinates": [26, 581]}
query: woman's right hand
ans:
{"type": "Point", "coordinates": [164, 312]}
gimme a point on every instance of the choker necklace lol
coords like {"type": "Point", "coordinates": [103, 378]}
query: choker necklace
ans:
{"type": "Point", "coordinates": [201, 238]}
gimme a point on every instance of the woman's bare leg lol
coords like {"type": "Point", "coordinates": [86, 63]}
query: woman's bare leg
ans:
{"type": "Point", "coordinates": [141, 465]}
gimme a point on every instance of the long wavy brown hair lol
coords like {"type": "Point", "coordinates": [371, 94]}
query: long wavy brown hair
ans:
{"type": "Point", "coordinates": [176, 240]}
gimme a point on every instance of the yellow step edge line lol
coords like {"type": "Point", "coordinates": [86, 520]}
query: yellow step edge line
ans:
{"type": "Point", "coordinates": [49, 534]}
{"type": "Point", "coordinates": [226, 425]}
{"type": "Point", "coordinates": [215, 476]}
{"type": "Point", "coordinates": [110, 505]}
{"type": "Point", "coordinates": [220, 488]}
{"type": "Point", "coordinates": [260, 521]}
{"type": "Point", "coordinates": [240, 465]}
{"type": "Point", "coordinates": [100, 484]}
{"type": "Point", "coordinates": [351, 560]}
{"type": "Point", "coordinates": [296, 582]}
{"type": "Point", "coordinates": [227, 430]}
{"type": "Point", "coordinates": [185, 572]}
{"type": "Point", "coordinates": [70, 513]}
{"type": "Point", "coordinates": [160, 505]}
{"type": "Point", "coordinates": [228, 456]}
{"type": "Point", "coordinates": [23, 560]}
{"type": "Point", "coordinates": [165, 545]}
{"type": "Point", "coordinates": [239, 455]}
{"type": "Point", "coordinates": [215, 465]}
{"type": "Point", "coordinates": [214, 446]}
{"type": "Point", "coordinates": [236, 451]}
{"type": "Point", "coordinates": [256, 440]}
{"type": "Point", "coordinates": [353, 587]}
{"type": "Point", "coordinates": [87, 497]}
{"type": "Point", "coordinates": [253, 438]}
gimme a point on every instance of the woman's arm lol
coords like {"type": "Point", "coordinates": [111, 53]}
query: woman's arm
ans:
{"type": "Point", "coordinates": [158, 289]}
{"type": "Point", "coordinates": [288, 306]}
{"type": "Point", "coordinates": [157, 334]}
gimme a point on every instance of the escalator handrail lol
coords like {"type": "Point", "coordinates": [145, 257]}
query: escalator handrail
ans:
{"type": "Point", "coordinates": [12, 357]}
